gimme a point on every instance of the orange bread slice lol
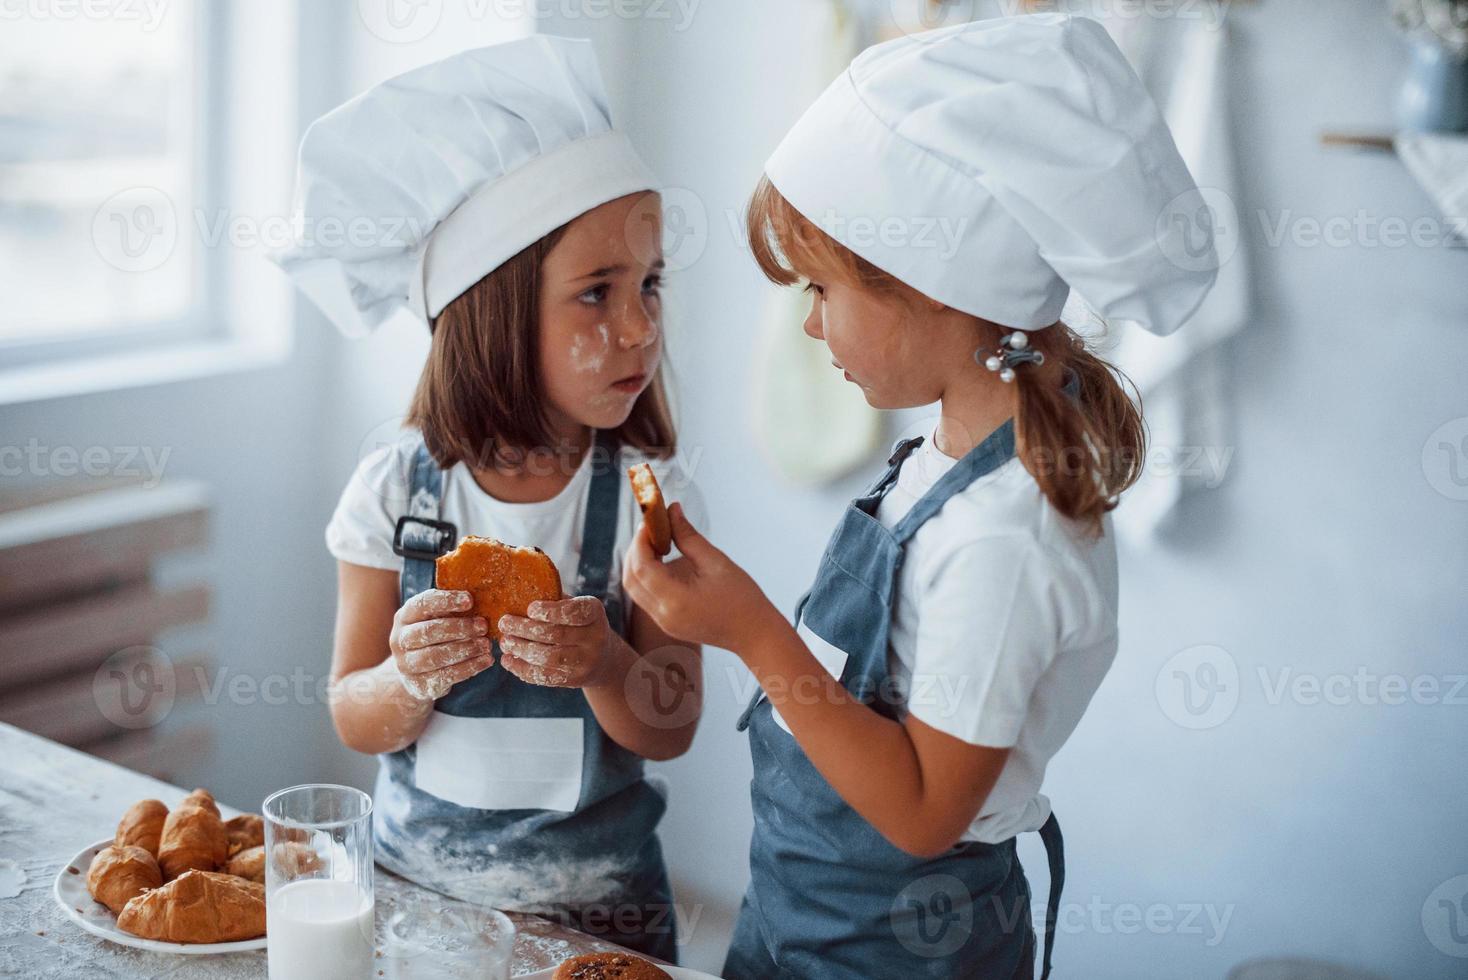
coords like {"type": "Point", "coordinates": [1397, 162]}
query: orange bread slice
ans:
{"type": "Point", "coordinates": [504, 579]}
{"type": "Point", "coordinates": [654, 511]}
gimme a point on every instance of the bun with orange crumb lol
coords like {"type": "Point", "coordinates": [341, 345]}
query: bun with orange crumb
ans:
{"type": "Point", "coordinates": [503, 579]}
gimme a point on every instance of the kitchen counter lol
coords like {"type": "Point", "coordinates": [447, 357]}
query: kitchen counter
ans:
{"type": "Point", "coordinates": [54, 801]}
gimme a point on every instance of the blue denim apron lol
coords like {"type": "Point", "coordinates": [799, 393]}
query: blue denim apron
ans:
{"type": "Point", "coordinates": [829, 897]}
{"type": "Point", "coordinates": [608, 843]}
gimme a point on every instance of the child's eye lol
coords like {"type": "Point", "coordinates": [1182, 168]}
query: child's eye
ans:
{"type": "Point", "coordinates": [652, 284]}
{"type": "Point", "coordinates": [596, 295]}
{"type": "Point", "coordinates": [819, 290]}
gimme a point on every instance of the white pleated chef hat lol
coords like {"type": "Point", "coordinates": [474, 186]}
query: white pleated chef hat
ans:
{"type": "Point", "coordinates": [415, 190]}
{"type": "Point", "coordinates": [995, 165]}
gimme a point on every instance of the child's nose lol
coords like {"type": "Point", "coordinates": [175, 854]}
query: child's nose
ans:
{"type": "Point", "coordinates": [637, 327]}
{"type": "Point", "coordinates": [813, 326]}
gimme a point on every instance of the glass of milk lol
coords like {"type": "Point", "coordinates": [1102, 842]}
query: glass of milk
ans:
{"type": "Point", "coordinates": [431, 937]}
{"type": "Point", "coordinates": [318, 883]}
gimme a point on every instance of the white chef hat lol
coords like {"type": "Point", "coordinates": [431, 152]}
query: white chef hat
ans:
{"type": "Point", "coordinates": [994, 165]}
{"type": "Point", "coordinates": [415, 190]}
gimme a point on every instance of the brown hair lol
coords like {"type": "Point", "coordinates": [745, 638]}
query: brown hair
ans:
{"type": "Point", "coordinates": [480, 393]}
{"type": "Point", "coordinates": [1083, 453]}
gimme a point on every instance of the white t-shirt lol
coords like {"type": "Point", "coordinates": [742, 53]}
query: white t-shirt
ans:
{"type": "Point", "coordinates": [1004, 624]}
{"type": "Point", "coordinates": [361, 530]}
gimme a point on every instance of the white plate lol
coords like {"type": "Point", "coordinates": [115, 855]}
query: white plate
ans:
{"type": "Point", "coordinates": [72, 895]}
{"type": "Point", "coordinates": [676, 972]}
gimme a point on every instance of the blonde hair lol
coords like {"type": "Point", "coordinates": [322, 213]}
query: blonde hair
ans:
{"type": "Point", "coordinates": [1083, 452]}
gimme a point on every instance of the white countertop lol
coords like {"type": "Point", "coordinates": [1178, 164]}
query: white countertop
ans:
{"type": "Point", "coordinates": [54, 801]}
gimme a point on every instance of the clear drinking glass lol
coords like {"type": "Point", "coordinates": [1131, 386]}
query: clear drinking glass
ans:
{"type": "Point", "coordinates": [430, 937]}
{"type": "Point", "coordinates": [318, 883]}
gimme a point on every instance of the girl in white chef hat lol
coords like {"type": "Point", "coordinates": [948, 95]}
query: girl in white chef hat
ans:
{"type": "Point", "coordinates": [489, 196]}
{"type": "Point", "coordinates": [964, 611]}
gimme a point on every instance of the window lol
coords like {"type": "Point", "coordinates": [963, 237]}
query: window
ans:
{"type": "Point", "coordinates": [122, 124]}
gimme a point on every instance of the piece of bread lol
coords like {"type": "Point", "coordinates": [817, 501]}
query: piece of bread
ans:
{"type": "Point", "coordinates": [244, 832]}
{"type": "Point", "coordinates": [248, 864]}
{"type": "Point", "coordinates": [142, 825]}
{"type": "Point", "coordinates": [504, 579]}
{"type": "Point", "coordinates": [198, 907]}
{"type": "Point", "coordinates": [608, 966]}
{"type": "Point", "coordinates": [202, 798]}
{"type": "Point", "coordinates": [654, 511]}
{"type": "Point", "coordinates": [193, 837]}
{"type": "Point", "coordinates": [119, 874]}
{"type": "Point", "coordinates": [292, 859]}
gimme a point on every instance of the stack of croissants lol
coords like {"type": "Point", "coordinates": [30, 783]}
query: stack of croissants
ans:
{"type": "Point", "coordinates": [187, 875]}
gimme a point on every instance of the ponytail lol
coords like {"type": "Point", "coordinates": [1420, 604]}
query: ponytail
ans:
{"type": "Point", "coordinates": [1082, 451]}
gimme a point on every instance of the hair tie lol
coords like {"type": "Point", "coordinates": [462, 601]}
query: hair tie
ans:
{"type": "Point", "coordinates": [1014, 350]}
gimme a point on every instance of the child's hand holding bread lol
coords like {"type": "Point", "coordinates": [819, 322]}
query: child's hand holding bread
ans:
{"type": "Point", "coordinates": [702, 596]}
{"type": "Point", "coordinates": [438, 640]}
{"type": "Point", "coordinates": [560, 643]}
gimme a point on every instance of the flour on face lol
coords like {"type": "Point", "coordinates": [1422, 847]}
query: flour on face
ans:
{"type": "Point", "coordinates": [589, 354]}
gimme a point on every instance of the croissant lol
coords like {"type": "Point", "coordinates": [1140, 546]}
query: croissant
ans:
{"type": "Point", "coordinates": [193, 837]}
{"type": "Point", "coordinates": [249, 864]}
{"type": "Point", "coordinates": [119, 874]}
{"type": "Point", "coordinates": [142, 825]}
{"type": "Point", "coordinates": [292, 860]}
{"type": "Point", "coordinates": [203, 798]}
{"type": "Point", "coordinates": [198, 907]}
{"type": "Point", "coordinates": [243, 832]}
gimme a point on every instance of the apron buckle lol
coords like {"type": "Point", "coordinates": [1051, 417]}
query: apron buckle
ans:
{"type": "Point", "coordinates": [426, 543]}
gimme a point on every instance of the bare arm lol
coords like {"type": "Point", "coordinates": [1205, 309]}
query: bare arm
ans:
{"type": "Point", "coordinates": [920, 787]}
{"type": "Point", "coordinates": [649, 694]}
{"type": "Point", "coordinates": [388, 663]}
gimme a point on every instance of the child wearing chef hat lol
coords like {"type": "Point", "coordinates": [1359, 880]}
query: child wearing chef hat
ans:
{"type": "Point", "coordinates": [964, 612]}
{"type": "Point", "coordinates": [489, 196]}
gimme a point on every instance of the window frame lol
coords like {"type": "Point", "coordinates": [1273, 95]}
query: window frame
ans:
{"type": "Point", "coordinates": [242, 309]}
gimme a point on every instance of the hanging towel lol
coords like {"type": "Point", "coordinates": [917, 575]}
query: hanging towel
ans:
{"type": "Point", "coordinates": [1184, 386]}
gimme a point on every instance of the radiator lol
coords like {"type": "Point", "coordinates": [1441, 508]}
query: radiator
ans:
{"type": "Point", "coordinates": [81, 621]}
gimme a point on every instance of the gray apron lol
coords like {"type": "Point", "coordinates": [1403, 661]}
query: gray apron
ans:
{"type": "Point", "coordinates": [829, 897]}
{"type": "Point", "coordinates": [595, 864]}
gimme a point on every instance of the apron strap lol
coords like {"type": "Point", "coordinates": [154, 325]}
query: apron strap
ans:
{"type": "Point", "coordinates": [420, 536]}
{"type": "Point", "coordinates": [1055, 857]}
{"type": "Point", "coordinates": [996, 449]}
{"type": "Point", "coordinates": [599, 533]}
{"type": "Point", "coordinates": [900, 451]}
